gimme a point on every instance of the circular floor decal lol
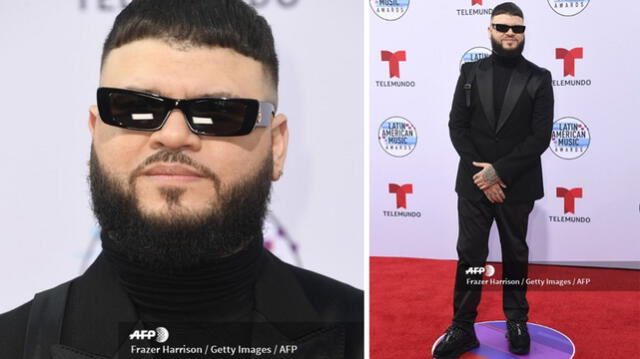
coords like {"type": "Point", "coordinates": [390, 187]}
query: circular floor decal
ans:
{"type": "Point", "coordinates": [546, 343]}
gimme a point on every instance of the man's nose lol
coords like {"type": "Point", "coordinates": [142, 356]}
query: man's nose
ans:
{"type": "Point", "coordinates": [176, 134]}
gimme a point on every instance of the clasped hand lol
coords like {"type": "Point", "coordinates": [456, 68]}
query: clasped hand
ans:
{"type": "Point", "coordinates": [489, 182]}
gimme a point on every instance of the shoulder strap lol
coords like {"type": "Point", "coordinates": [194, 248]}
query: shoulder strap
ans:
{"type": "Point", "coordinates": [469, 77]}
{"type": "Point", "coordinates": [44, 327]}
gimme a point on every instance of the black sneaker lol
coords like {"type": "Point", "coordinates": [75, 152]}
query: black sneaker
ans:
{"type": "Point", "coordinates": [456, 341]}
{"type": "Point", "coordinates": [518, 336]}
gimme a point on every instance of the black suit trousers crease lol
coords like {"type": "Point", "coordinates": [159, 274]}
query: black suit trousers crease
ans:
{"type": "Point", "coordinates": [474, 220]}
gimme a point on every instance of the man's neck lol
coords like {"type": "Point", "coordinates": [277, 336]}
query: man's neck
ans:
{"type": "Point", "coordinates": [507, 61]}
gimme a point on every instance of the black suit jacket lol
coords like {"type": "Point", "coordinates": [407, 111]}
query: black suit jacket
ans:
{"type": "Point", "coordinates": [322, 316]}
{"type": "Point", "coordinates": [522, 132]}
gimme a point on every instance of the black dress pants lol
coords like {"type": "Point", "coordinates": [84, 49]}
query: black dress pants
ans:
{"type": "Point", "coordinates": [474, 222]}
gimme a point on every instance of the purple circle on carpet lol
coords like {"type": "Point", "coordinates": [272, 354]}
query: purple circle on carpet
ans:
{"type": "Point", "coordinates": [546, 343]}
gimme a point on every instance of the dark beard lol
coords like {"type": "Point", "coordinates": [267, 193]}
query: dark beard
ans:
{"type": "Point", "coordinates": [501, 51]}
{"type": "Point", "coordinates": [185, 241]}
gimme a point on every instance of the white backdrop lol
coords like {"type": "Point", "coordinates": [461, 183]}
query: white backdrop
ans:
{"type": "Point", "coordinates": [49, 63]}
{"type": "Point", "coordinates": [604, 227]}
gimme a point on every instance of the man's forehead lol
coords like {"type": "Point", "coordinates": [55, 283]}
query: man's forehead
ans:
{"type": "Point", "coordinates": [507, 19]}
{"type": "Point", "coordinates": [194, 94]}
{"type": "Point", "coordinates": [163, 68]}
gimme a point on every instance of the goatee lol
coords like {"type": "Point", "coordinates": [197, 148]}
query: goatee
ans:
{"type": "Point", "coordinates": [497, 48]}
{"type": "Point", "coordinates": [186, 240]}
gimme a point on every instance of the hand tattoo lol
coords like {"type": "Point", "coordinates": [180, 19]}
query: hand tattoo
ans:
{"type": "Point", "coordinates": [490, 176]}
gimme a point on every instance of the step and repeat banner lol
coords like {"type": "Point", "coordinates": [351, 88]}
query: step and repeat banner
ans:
{"type": "Point", "coordinates": [590, 214]}
{"type": "Point", "coordinates": [49, 71]}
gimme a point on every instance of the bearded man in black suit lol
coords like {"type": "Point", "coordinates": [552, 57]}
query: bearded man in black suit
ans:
{"type": "Point", "coordinates": [500, 123]}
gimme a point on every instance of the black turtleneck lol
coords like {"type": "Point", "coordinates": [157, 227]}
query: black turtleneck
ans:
{"type": "Point", "coordinates": [219, 290]}
{"type": "Point", "coordinates": [502, 69]}
{"type": "Point", "coordinates": [213, 300]}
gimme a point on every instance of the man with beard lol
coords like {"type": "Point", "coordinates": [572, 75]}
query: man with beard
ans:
{"type": "Point", "coordinates": [186, 142]}
{"type": "Point", "coordinates": [500, 123]}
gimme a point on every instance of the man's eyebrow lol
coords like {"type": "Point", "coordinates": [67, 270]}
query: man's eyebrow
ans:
{"type": "Point", "coordinates": [155, 91]}
{"type": "Point", "coordinates": [217, 94]}
{"type": "Point", "coordinates": [143, 89]}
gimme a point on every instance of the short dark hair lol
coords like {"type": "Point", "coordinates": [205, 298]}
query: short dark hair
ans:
{"type": "Point", "coordinates": [229, 24]}
{"type": "Point", "coordinates": [508, 8]}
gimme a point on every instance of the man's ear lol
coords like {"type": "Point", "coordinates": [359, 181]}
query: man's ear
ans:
{"type": "Point", "coordinates": [279, 144]}
{"type": "Point", "coordinates": [93, 117]}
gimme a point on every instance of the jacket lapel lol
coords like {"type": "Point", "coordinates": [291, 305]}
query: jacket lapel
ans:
{"type": "Point", "coordinates": [516, 85]}
{"type": "Point", "coordinates": [59, 351]}
{"type": "Point", "coordinates": [284, 316]}
{"type": "Point", "coordinates": [323, 343]}
{"type": "Point", "coordinates": [99, 314]}
{"type": "Point", "coordinates": [485, 91]}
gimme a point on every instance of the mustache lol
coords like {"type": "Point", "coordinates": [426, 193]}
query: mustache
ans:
{"type": "Point", "coordinates": [172, 156]}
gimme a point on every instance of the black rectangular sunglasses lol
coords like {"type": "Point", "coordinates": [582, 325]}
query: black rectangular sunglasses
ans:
{"type": "Point", "coordinates": [142, 111]}
{"type": "Point", "coordinates": [517, 29]}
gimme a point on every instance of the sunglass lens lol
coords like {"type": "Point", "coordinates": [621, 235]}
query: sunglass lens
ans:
{"type": "Point", "coordinates": [220, 117]}
{"type": "Point", "coordinates": [502, 27]}
{"type": "Point", "coordinates": [136, 111]}
{"type": "Point", "coordinates": [518, 29]}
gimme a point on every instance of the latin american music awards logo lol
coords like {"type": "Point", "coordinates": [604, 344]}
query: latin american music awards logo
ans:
{"type": "Point", "coordinates": [569, 58]}
{"type": "Point", "coordinates": [389, 10]}
{"type": "Point", "coordinates": [476, 7]}
{"type": "Point", "coordinates": [568, 7]}
{"type": "Point", "coordinates": [570, 138]}
{"type": "Point", "coordinates": [569, 197]}
{"type": "Point", "coordinates": [397, 136]}
{"type": "Point", "coordinates": [475, 54]}
{"type": "Point", "coordinates": [401, 192]}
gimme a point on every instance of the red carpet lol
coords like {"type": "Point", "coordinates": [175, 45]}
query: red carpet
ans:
{"type": "Point", "coordinates": [411, 306]}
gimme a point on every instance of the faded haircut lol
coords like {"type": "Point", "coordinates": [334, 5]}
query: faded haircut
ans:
{"type": "Point", "coordinates": [508, 8]}
{"type": "Point", "coordinates": [231, 24]}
